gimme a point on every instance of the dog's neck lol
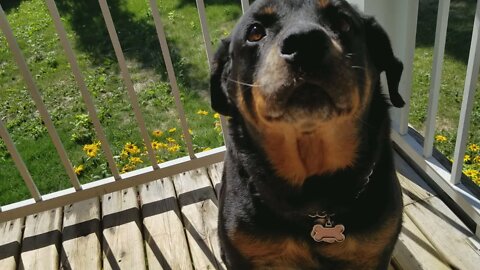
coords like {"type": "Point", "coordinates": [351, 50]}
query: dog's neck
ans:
{"type": "Point", "coordinates": [320, 189]}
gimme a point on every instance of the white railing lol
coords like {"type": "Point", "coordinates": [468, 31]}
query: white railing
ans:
{"type": "Point", "coordinates": [399, 19]}
{"type": "Point", "coordinates": [78, 192]}
{"type": "Point", "coordinates": [402, 29]}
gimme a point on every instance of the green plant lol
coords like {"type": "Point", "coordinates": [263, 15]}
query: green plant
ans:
{"type": "Point", "coordinates": [83, 129]}
{"type": "Point", "coordinates": [3, 151]}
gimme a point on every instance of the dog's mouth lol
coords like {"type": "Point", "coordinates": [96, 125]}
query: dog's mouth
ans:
{"type": "Point", "coordinates": [307, 100]}
{"type": "Point", "coordinates": [309, 97]}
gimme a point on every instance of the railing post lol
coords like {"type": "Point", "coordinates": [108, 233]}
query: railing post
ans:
{"type": "Point", "coordinates": [112, 32]}
{"type": "Point", "coordinates": [162, 39]}
{"type": "Point", "coordinates": [435, 81]}
{"type": "Point", "coordinates": [468, 99]}
{"type": "Point", "coordinates": [245, 5]}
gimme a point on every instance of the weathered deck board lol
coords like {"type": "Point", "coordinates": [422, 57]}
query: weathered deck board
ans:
{"type": "Point", "coordinates": [122, 237]}
{"type": "Point", "coordinates": [10, 241]}
{"type": "Point", "coordinates": [444, 231]}
{"type": "Point", "coordinates": [432, 234]}
{"type": "Point", "coordinates": [165, 241]}
{"type": "Point", "coordinates": [81, 236]}
{"type": "Point", "coordinates": [413, 186]}
{"type": "Point", "coordinates": [180, 229]}
{"type": "Point", "coordinates": [198, 205]}
{"type": "Point", "coordinates": [41, 240]}
{"type": "Point", "coordinates": [414, 251]}
{"type": "Point", "coordinates": [215, 173]}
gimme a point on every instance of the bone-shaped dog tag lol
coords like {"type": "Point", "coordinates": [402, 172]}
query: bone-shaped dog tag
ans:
{"type": "Point", "coordinates": [327, 234]}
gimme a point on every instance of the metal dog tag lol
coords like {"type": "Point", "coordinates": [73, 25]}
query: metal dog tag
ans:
{"type": "Point", "coordinates": [324, 231]}
{"type": "Point", "coordinates": [329, 235]}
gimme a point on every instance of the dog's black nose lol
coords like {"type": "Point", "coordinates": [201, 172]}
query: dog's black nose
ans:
{"type": "Point", "coordinates": [306, 47]}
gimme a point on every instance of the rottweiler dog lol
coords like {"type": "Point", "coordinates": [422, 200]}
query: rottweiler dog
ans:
{"type": "Point", "coordinates": [309, 180]}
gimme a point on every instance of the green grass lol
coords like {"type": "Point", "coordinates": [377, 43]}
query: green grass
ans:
{"type": "Point", "coordinates": [89, 37]}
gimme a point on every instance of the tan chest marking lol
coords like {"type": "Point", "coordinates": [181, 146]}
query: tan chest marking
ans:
{"type": "Point", "coordinates": [273, 254]}
{"type": "Point", "coordinates": [295, 155]}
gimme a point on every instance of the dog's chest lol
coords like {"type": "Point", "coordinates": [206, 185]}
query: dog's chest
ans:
{"type": "Point", "coordinates": [355, 252]}
{"type": "Point", "coordinates": [291, 254]}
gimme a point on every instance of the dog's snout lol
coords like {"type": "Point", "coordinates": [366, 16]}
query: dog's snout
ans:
{"type": "Point", "coordinates": [307, 48]}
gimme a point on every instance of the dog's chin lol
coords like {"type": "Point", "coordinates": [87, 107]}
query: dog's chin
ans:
{"type": "Point", "coordinates": [307, 106]}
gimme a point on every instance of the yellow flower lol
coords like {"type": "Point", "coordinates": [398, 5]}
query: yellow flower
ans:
{"type": "Point", "coordinates": [474, 147]}
{"type": "Point", "coordinates": [218, 126]}
{"type": "Point", "coordinates": [91, 149]}
{"type": "Point", "coordinates": [440, 138]}
{"type": "Point", "coordinates": [163, 145]}
{"type": "Point", "coordinates": [171, 140]}
{"type": "Point", "coordinates": [206, 149]}
{"type": "Point", "coordinates": [127, 168]}
{"type": "Point", "coordinates": [190, 131]}
{"type": "Point", "coordinates": [92, 152]}
{"type": "Point", "coordinates": [471, 173]}
{"type": "Point", "coordinates": [476, 159]}
{"type": "Point", "coordinates": [78, 169]}
{"type": "Point", "coordinates": [156, 145]}
{"type": "Point", "coordinates": [157, 133]}
{"type": "Point", "coordinates": [467, 158]}
{"type": "Point", "coordinates": [202, 112]}
{"type": "Point", "coordinates": [216, 116]}
{"type": "Point", "coordinates": [131, 148]}
{"type": "Point", "coordinates": [173, 148]}
{"type": "Point", "coordinates": [172, 130]}
{"type": "Point", "coordinates": [476, 180]}
{"type": "Point", "coordinates": [123, 154]}
{"type": "Point", "coordinates": [135, 160]}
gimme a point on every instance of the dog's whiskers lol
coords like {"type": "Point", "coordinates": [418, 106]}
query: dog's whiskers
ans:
{"type": "Point", "coordinates": [358, 67]}
{"type": "Point", "coordinates": [243, 83]}
{"type": "Point", "coordinates": [349, 55]}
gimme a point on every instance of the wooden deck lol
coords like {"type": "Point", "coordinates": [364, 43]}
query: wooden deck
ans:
{"type": "Point", "coordinates": [172, 224]}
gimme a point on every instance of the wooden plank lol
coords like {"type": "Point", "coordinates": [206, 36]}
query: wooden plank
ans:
{"type": "Point", "coordinates": [41, 240]}
{"type": "Point", "coordinates": [81, 236]}
{"type": "Point", "coordinates": [199, 209]}
{"type": "Point", "coordinates": [445, 232]}
{"type": "Point", "coordinates": [122, 237]}
{"type": "Point", "coordinates": [413, 186]}
{"type": "Point", "coordinates": [414, 251]}
{"type": "Point", "coordinates": [215, 172]}
{"type": "Point", "coordinates": [10, 240]}
{"type": "Point", "coordinates": [165, 240]}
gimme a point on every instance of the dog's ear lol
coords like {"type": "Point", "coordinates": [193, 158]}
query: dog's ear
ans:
{"type": "Point", "coordinates": [220, 66]}
{"type": "Point", "coordinates": [381, 53]}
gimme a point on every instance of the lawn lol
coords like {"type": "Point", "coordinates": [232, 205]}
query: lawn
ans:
{"type": "Point", "coordinates": [88, 35]}
{"type": "Point", "coordinates": [459, 32]}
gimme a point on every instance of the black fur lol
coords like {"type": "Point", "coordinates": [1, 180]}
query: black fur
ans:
{"type": "Point", "coordinates": [255, 200]}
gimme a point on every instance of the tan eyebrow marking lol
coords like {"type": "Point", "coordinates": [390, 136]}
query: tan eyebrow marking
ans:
{"type": "Point", "coordinates": [268, 10]}
{"type": "Point", "coordinates": [323, 3]}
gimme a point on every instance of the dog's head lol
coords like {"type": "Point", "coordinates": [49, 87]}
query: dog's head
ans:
{"type": "Point", "coordinates": [301, 64]}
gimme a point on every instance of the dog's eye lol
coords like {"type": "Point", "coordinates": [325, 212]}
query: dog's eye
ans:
{"type": "Point", "coordinates": [255, 33]}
